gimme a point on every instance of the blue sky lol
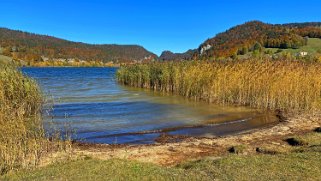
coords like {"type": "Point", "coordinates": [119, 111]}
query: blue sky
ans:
{"type": "Point", "coordinates": [155, 24]}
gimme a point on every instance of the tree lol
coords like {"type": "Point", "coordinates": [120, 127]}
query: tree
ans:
{"type": "Point", "coordinates": [257, 47]}
{"type": "Point", "coordinates": [244, 51]}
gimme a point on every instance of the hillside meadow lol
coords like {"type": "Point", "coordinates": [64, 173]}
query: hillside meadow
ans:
{"type": "Point", "coordinates": [313, 48]}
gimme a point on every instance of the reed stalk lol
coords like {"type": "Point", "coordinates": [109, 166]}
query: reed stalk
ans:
{"type": "Point", "coordinates": [284, 85]}
{"type": "Point", "coordinates": [21, 130]}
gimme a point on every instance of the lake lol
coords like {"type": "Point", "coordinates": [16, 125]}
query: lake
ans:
{"type": "Point", "coordinates": [90, 103]}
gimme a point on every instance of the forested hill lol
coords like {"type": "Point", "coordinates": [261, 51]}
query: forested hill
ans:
{"type": "Point", "coordinates": [168, 55]}
{"type": "Point", "coordinates": [34, 47]}
{"type": "Point", "coordinates": [239, 40]}
{"type": "Point", "coordinates": [255, 35]}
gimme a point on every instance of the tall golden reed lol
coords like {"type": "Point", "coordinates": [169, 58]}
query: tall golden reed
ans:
{"type": "Point", "coordinates": [284, 85]}
{"type": "Point", "coordinates": [21, 131]}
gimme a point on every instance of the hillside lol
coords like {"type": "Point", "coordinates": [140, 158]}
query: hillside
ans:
{"type": "Point", "coordinates": [313, 46]}
{"type": "Point", "coordinates": [237, 41]}
{"type": "Point", "coordinates": [256, 35]}
{"type": "Point", "coordinates": [34, 47]}
{"type": "Point", "coordinates": [168, 55]}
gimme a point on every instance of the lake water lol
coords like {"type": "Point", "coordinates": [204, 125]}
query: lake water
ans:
{"type": "Point", "coordinates": [91, 103]}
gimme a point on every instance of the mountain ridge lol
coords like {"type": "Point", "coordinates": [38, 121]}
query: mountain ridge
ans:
{"type": "Point", "coordinates": [31, 46]}
{"type": "Point", "coordinates": [238, 40]}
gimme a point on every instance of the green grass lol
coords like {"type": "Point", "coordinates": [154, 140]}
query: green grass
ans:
{"type": "Point", "coordinates": [299, 163]}
{"type": "Point", "coordinates": [100, 170]}
{"type": "Point", "coordinates": [292, 166]}
{"type": "Point", "coordinates": [311, 139]}
{"type": "Point", "coordinates": [313, 46]}
{"type": "Point", "coordinates": [238, 149]}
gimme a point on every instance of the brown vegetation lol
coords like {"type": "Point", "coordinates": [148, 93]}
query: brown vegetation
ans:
{"type": "Point", "coordinates": [21, 132]}
{"type": "Point", "coordinates": [291, 86]}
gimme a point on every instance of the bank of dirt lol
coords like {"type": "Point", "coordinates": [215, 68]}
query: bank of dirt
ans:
{"type": "Point", "coordinates": [170, 153]}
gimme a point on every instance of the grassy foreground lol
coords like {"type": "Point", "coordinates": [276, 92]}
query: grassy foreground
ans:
{"type": "Point", "coordinates": [297, 165]}
{"type": "Point", "coordinates": [285, 85]}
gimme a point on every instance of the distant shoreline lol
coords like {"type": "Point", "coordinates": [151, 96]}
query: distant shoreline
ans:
{"type": "Point", "coordinates": [71, 66]}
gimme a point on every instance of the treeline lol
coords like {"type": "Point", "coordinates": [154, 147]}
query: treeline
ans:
{"type": "Point", "coordinates": [33, 47]}
{"type": "Point", "coordinates": [255, 35]}
{"type": "Point", "coordinates": [168, 55]}
{"type": "Point", "coordinates": [68, 64]}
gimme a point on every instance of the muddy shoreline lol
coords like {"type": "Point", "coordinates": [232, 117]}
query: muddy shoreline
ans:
{"type": "Point", "coordinates": [211, 128]}
{"type": "Point", "coordinates": [166, 137]}
{"type": "Point", "coordinates": [193, 148]}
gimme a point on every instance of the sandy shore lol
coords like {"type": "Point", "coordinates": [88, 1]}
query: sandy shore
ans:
{"type": "Point", "coordinates": [169, 154]}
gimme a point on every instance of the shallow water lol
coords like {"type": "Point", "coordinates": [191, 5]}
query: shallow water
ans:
{"type": "Point", "coordinates": [89, 102]}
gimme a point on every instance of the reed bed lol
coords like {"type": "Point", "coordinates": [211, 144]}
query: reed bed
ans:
{"type": "Point", "coordinates": [283, 85]}
{"type": "Point", "coordinates": [21, 130]}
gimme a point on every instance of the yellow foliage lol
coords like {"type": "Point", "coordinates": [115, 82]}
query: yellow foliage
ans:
{"type": "Point", "coordinates": [260, 84]}
{"type": "Point", "coordinates": [21, 133]}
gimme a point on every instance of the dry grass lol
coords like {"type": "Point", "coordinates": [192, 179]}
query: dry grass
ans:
{"type": "Point", "coordinates": [292, 86]}
{"type": "Point", "coordinates": [21, 131]}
